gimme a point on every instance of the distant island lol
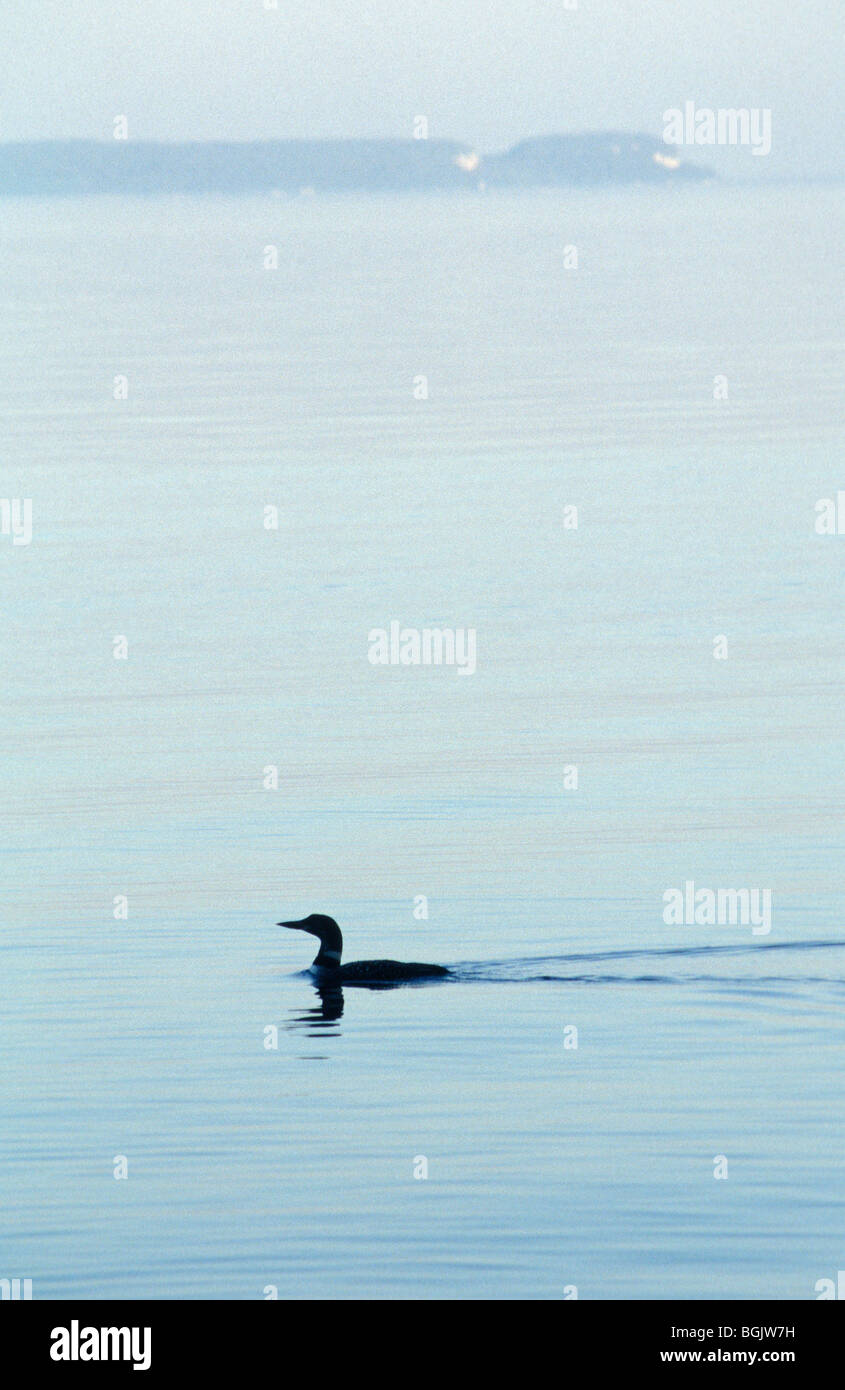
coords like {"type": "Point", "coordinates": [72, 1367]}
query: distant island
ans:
{"type": "Point", "coordinates": [78, 167]}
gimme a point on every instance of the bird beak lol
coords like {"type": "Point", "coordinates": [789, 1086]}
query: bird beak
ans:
{"type": "Point", "coordinates": [288, 924]}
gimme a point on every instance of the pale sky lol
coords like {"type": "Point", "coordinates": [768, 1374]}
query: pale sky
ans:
{"type": "Point", "coordinates": [486, 71]}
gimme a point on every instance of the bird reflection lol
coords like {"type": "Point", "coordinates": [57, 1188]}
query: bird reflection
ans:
{"type": "Point", "coordinates": [321, 1017]}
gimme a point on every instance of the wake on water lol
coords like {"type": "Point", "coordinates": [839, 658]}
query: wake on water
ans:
{"type": "Point", "coordinates": [679, 966]}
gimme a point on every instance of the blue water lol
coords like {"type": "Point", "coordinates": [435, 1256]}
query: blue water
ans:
{"type": "Point", "coordinates": [255, 1167]}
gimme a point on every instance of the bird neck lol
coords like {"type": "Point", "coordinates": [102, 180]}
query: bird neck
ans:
{"type": "Point", "coordinates": [327, 960]}
{"type": "Point", "coordinates": [331, 949]}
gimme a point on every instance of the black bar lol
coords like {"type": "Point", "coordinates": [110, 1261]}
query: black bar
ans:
{"type": "Point", "coordinates": [223, 1339]}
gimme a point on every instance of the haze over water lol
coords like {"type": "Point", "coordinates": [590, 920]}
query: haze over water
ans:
{"type": "Point", "coordinates": [548, 1166]}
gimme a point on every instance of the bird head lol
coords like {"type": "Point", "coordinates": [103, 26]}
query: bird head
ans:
{"type": "Point", "coordinates": [317, 925]}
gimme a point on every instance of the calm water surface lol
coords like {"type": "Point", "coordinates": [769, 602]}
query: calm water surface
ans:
{"type": "Point", "coordinates": [548, 1165]}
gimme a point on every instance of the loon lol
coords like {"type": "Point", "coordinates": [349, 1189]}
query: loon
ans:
{"type": "Point", "coordinates": [366, 972]}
